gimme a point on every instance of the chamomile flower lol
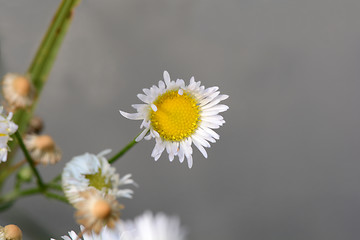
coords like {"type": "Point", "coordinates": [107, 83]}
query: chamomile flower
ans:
{"type": "Point", "coordinates": [178, 115]}
{"type": "Point", "coordinates": [148, 226]}
{"type": "Point", "coordinates": [89, 170]}
{"type": "Point", "coordinates": [7, 127]}
{"type": "Point", "coordinates": [18, 91]}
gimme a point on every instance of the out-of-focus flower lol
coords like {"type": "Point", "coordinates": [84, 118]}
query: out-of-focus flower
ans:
{"type": "Point", "coordinates": [18, 91]}
{"type": "Point", "coordinates": [96, 210]}
{"type": "Point", "coordinates": [7, 127]}
{"type": "Point", "coordinates": [178, 116]}
{"type": "Point", "coordinates": [144, 227]}
{"type": "Point", "coordinates": [36, 125]}
{"type": "Point", "coordinates": [42, 149]}
{"type": "Point", "coordinates": [89, 170]}
{"type": "Point", "coordinates": [10, 232]}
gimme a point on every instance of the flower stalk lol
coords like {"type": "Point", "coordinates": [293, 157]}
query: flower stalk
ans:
{"type": "Point", "coordinates": [40, 68]}
{"type": "Point", "coordinates": [30, 161]}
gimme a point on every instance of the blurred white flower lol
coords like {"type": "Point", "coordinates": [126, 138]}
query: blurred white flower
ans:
{"type": "Point", "coordinates": [89, 170]}
{"type": "Point", "coordinates": [178, 116]}
{"type": "Point", "coordinates": [7, 127]}
{"type": "Point", "coordinates": [144, 227]}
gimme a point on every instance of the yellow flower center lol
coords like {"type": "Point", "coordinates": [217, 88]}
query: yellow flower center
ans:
{"type": "Point", "coordinates": [177, 116]}
{"type": "Point", "coordinates": [98, 181]}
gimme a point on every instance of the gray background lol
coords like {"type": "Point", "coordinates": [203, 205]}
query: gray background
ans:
{"type": "Point", "coordinates": [287, 164]}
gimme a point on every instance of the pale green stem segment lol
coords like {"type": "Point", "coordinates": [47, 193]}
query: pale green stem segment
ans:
{"type": "Point", "coordinates": [9, 199]}
{"type": "Point", "coordinates": [123, 151]}
{"type": "Point", "coordinates": [40, 68]}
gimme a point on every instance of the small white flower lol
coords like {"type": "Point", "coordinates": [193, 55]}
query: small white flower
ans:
{"type": "Point", "coordinates": [89, 170]}
{"type": "Point", "coordinates": [7, 127]}
{"type": "Point", "coordinates": [144, 227]}
{"type": "Point", "coordinates": [18, 91]}
{"type": "Point", "coordinates": [178, 116]}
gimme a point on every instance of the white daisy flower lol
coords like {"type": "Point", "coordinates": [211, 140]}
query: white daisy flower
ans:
{"type": "Point", "coordinates": [89, 170]}
{"type": "Point", "coordinates": [18, 91]}
{"type": "Point", "coordinates": [178, 116]}
{"type": "Point", "coordinates": [7, 127]}
{"type": "Point", "coordinates": [144, 227]}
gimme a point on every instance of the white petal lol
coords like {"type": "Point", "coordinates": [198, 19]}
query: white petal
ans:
{"type": "Point", "coordinates": [209, 125]}
{"type": "Point", "coordinates": [141, 135]}
{"type": "Point", "coordinates": [212, 133]}
{"type": "Point", "coordinates": [133, 116]}
{"type": "Point", "coordinates": [144, 98]}
{"type": "Point", "coordinates": [146, 91]}
{"type": "Point", "coordinates": [215, 101]}
{"type": "Point", "coordinates": [201, 149]}
{"type": "Point", "coordinates": [200, 140]}
{"type": "Point", "coordinates": [161, 85]}
{"type": "Point", "coordinates": [190, 161]}
{"type": "Point", "coordinates": [167, 78]}
{"type": "Point", "coordinates": [209, 98]}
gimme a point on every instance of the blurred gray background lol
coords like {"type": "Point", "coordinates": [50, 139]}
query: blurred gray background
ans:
{"type": "Point", "coordinates": [288, 160]}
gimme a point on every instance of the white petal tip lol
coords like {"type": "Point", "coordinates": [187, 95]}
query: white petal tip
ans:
{"type": "Point", "coordinates": [166, 76]}
{"type": "Point", "coordinates": [190, 164]}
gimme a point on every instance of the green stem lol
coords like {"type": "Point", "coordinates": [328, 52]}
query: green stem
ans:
{"type": "Point", "coordinates": [45, 56]}
{"type": "Point", "coordinates": [54, 186]}
{"type": "Point", "coordinates": [56, 179]}
{"type": "Point", "coordinates": [12, 196]}
{"type": "Point", "coordinates": [30, 161]}
{"type": "Point", "coordinates": [7, 200]}
{"type": "Point", "coordinates": [40, 68]}
{"type": "Point", "coordinates": [57, 197]}
{"type": "Point", "coordinates": [122, 151]}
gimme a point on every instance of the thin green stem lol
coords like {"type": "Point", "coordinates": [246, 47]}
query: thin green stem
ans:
{"type": "Point", "coordinates": [123, 151]}
{"type": "Point", "coordinates": [54, 186]}
{"type": "Point", "coordinates": [56, 179]}
{"type": "Point", "coordinates": [39, 70]}
{"type": "Point", "coordinates": [12, 196]}
{"type": "Point", "coordinates": [30, 161]}
{"type": "Point", "coordinates": [7, 200]}
{"type": "Point", "coordinates": [57, 197]}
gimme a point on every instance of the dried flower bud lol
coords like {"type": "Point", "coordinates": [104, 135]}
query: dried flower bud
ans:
{"type": "Point", "coordinates": [18, 91]}
{"type": "Point", "coordinates": [96, 210]}
{"type": "Point", "coordinates": [36, 125]}
{"type": "Point", "coordinates": [43, 149]}
{"type": "Point", "coordinates": [10, 232]}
